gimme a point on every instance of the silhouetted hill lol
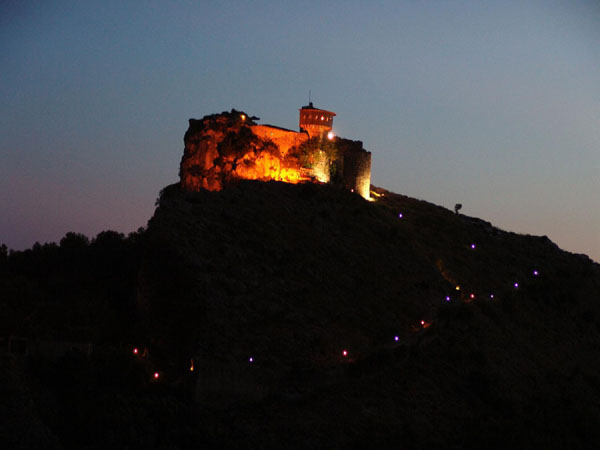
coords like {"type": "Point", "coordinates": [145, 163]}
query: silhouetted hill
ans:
{"type": "Point", "coordinates": [293, 276]}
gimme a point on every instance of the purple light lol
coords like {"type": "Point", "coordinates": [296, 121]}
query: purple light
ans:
{"type": "Point", "coordinates": [516, 285]}
{"type": "Point", "coordinates": [400, 215]}
{"type": "Point", "coordinates": [396, 338]}
{"type": "Point", "coordinates": [447, 298]}
{"type": "Point", "coordinates": [491, 295]}
{"type": "Point", "coordinates": [251, 359]}
{"type": "Point", "coordinates": [535, 273]}
{"type": "Point", "coordinates": [473, 246]}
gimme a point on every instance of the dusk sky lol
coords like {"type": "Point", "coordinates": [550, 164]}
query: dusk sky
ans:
{"type": "Point", "coordinates": [492, 104]}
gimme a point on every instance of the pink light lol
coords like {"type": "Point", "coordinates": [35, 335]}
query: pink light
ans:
{"type": "Point", "coordinates": [344, 353]}
{"type": "Point", "coordinates": [156, 375]}
{"type": "Point", "coordinates": [422, 322]}
{"type": "Point", "coordinates": [535, 273]}
{"type": "Point", "coordinates": [400, 216]}
{"type": "Point", "coordinates": [447, 298]}
{"type": "Point", "coordinates": [473, 246]}
{"type": "Point", "coordinates": [472, 296]}
{"type": "Point", "coordinates": [135, 351]}
{"type": "Point", "coordinates": [251, 359]}
{"type": "Point", "coordinates": [491, 295]}
{"type": "Point", "coordinates": [396, 338]}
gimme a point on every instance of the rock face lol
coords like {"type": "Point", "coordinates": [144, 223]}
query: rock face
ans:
{"type": "Point", "coordinates": [223, 148]}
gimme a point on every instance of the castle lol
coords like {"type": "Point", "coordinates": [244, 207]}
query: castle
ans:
{"type": "Point", "coordinates": [221, 148]}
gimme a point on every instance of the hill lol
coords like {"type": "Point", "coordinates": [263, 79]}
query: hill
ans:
{"type": "Point", "coordinates": [315, 319]}
{"type": "Point", "coordinates": [293, 276]}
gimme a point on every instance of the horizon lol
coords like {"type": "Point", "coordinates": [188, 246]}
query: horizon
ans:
{"type": "Point", "coordinates": [495, 106]}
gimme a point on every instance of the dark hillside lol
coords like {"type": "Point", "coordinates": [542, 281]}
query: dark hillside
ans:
{"type": "Point", "coordinates": [312, 318]}
{"type": "Point", "coordinates": [294, 275]}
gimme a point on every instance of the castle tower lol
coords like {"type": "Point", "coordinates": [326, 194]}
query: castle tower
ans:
{"type": "Point", "coordinates": [315, 121]}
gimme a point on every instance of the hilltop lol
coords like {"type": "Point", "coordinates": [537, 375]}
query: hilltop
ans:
{"type": "Point", "coordinates": [293, 276]}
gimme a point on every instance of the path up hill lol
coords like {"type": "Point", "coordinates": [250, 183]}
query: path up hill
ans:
{"type": "Point", "coordinates": [293, 276]}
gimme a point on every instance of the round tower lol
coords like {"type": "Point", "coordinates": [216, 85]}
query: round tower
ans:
{"type": "Point", "coordinates": [315, 121]}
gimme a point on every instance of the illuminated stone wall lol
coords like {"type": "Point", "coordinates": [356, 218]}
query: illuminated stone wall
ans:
{"type": "Point", "coordinates": [222, 148]}
{"type": "Point", "coordinates": [357, 172]}
{"type": "Point", "coordinates": [320, 169]}
{"type": "Point", "coordinates": [284, 139]}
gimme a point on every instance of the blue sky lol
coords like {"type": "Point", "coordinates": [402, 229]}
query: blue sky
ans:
{"type": "Point", "coordinates": [493, 104]}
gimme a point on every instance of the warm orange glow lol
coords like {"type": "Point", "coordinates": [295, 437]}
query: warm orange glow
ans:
{"type": "Point", "coordinates": [243, 116]}
{"type": "Point", "coordinates": [267, 167]}
{"type": "Point", "coordinates": [330, 135]}
{"type": "Point", "coordinates": [191, 365]}
{"type": "Point", "coordinates": [458, 288]}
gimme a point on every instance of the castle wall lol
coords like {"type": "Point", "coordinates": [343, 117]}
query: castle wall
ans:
{"type": "Point", "coordinates": [284, 139]}
{"type": "Point", "coordinates": [357, 172]}
{"type": "Point", "coordinates": [320, 169]}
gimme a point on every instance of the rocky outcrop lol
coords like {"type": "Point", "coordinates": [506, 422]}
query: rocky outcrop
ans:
{"type": "Point", "coordinates": [223, 148]}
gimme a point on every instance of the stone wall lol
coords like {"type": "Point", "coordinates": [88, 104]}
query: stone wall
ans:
{"type": "Point", "coordinates": [357, 172]}
{"type": "Point", "coordinates": [284, 139]}
{"type": "Point", "coordinates": [222, 148]}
